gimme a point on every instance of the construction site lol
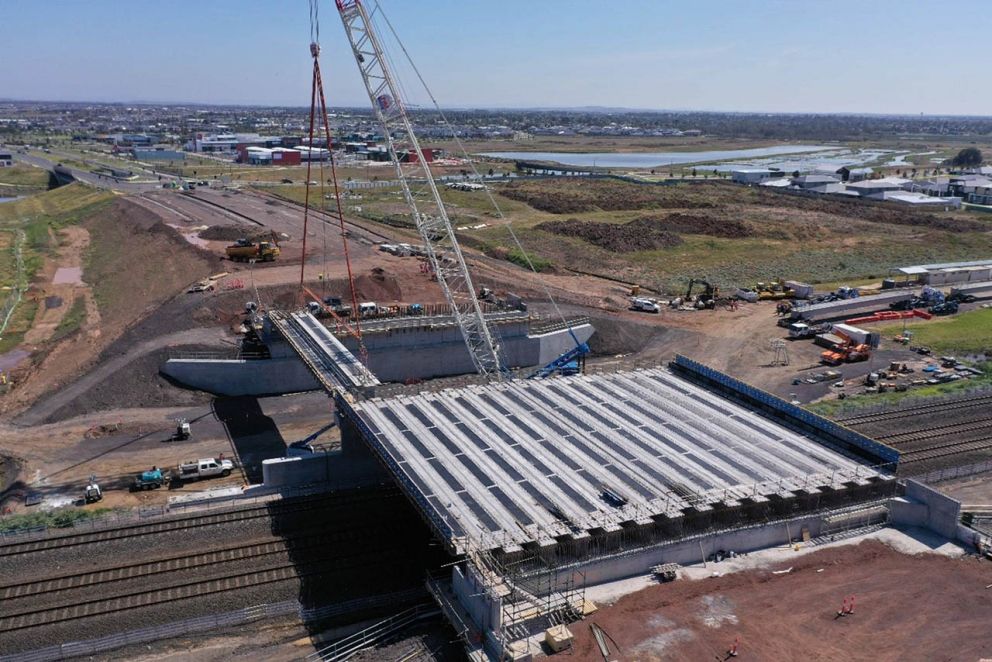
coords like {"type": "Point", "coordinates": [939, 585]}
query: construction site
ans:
{"type": "Point", "coordinates": [384, 440]}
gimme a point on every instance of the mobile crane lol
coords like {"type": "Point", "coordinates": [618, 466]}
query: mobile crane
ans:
{"type": "Point", "coordinates": [441, 246]}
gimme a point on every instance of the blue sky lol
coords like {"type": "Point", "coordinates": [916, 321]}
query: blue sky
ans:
{"type": "Point", "coordinates": [880, 56]}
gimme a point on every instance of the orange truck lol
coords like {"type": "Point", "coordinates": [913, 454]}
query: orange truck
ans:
{"type": "Point", "coordinates": [849, 351]}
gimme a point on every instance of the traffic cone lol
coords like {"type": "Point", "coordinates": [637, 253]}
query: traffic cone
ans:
{"type": "Point", "coordinates": [733, 649]}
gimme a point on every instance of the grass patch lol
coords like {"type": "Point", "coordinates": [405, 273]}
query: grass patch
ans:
{"type": "Point", "coordinates": [72, 320]}
{"type": "Point", "coordinates": [539, 263]}
{"type": "Point", "coordinates": [965, 333]}
{"type": "Point", "coordinates": [835, 408]}
{"type": "Point", "coordinates": [23, 177]}
{"type": "Point", "coordinates": [62, 206]}
{"type": "Point", "coordinates": [59, 518]}
{"type": "Point", "coordinates": [39, 217]}
{"type": "Point", "coordinates": [19, 324]}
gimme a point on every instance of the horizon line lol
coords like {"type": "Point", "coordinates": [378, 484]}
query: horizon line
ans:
{"type": "Point", "coordinates": [587, 108]}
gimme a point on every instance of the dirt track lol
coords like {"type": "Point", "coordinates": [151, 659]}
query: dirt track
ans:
{"type": "Point", "coordinates": [922, 607]}
{"type": "Point", "coordinates": [47, 408]}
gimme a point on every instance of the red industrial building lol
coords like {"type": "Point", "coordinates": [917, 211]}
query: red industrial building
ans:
{"type": "Point", "coordinates": [266, 156]}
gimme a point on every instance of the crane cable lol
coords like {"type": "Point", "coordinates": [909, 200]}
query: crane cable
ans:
{"type": "Point", "coordinates": [499, 212]}
{"type": "Point", "coordinates": [317, 95]}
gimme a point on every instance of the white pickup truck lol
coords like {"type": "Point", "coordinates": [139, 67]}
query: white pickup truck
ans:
{"type": "Point", "coordinates": [204, 468]}
{"type": "Point", "coordinates": [644, 305]}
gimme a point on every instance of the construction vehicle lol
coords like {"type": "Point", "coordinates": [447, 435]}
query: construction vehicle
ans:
{"type": "Point", "coordinates": [149, 480]}
{"type": "Point", "coordinates": [944, 308]}
{"type": "Point", "coordinates": [961, 297]}
{"type": "Point", "coordinates": [244, 250]}
{"type": "Point", "coordinates": [645, 305]}
{"type": "Point", "coordinates": [204, 468]}
{"type": "Point", "coordinates": [849, 351]}
{"type": "Point", "coordinates": [446, 263]}
{"type": "Point", "coordinates": [571, 362]}
{"type": "Point", "coordinates": [92, 493]}
{"type": "Point", "coordinates": [183, 430]}
{"type": "Point", "coordinates": [774, 291]}
{"type": "Point", "coordinates": [800, 330]}
{"type": "Point", "coordinates": [707, 299]}
{"type": "Point", "coordinates": [666, 572]}
{"type": "Point", "coordinates": [205, 285]}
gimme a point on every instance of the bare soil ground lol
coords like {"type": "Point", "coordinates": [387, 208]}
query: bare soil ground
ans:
{"type": "Point", "coordinates": [54, 294]}
{"type": "Point", "coordinates": [920, 607]}
{"type": "Point", "coordinates": [971, 491]}
{"type": "Point", "coordinates": [133, 264]}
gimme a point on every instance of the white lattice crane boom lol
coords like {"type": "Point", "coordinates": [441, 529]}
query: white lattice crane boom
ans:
{"type": "Point", "coordinates": [429, 214]}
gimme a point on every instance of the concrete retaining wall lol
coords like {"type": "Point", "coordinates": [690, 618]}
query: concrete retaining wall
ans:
{"type": "Point", "coordinates": [405, 354]}
{"type": "Point", "coordinates": [927, 508]}
{"type": "Point", "coordinates": [232, 377]}
{"type": "Point", "coordinates": [694, 550]}
{"type": "Point", "coordinates": [396, 356]}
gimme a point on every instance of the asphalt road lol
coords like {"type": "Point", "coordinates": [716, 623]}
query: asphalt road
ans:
{"type": "Point", "coordinates": [100, 181]}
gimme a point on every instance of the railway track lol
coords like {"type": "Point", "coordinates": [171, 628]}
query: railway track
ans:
{"type": "Point", "coordinates": [49, 616]}
{"type": "Point", "coordinates": [896, 438]}
{"type": "Point", "coordinates": [945, 450]}
{"type": "Point", "coordinates": [921, 410]}
{"type": "Point", "coordinates": [182, 562]}
{"type": "Point", "coordinates": [177, 524]}
{"type": "Point", "coordinates": [13, 618]}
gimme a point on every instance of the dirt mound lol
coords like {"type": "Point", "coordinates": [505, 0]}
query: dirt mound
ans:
{"type": "Point", "coordinates": [376, 285]}
{"type": "Point", "coordinates": [615, 237]}
{"type": "Point", "coordinates": [574, 197]}
{"type": "Point", "coordinates": [232, 233]}
{"type": "Point", "coordinates": [693, 224]}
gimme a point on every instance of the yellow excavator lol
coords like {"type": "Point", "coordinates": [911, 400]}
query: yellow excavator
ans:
{"type": "Point", "coordinates": [244, 250]}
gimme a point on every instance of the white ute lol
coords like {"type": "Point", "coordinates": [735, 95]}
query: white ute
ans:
{"type": "Point", "coordinates": [205, 468]}
{"type": "Point", "coordinates": [645, 305]}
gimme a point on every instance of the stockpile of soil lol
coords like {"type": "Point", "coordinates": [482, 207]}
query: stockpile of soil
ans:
{"type": "Point", "coordinates": [695, 224]}
{"type": "Point", "coordinates": [616, 237]}
{"type": "Point", "coordinates": [574, 197]}
{"type": "Point", "coordinates": [233, 233]}
{"type": "Point", "coordinates": [648, 232]}
{"type": "Point", "coordinates": [374, 285]}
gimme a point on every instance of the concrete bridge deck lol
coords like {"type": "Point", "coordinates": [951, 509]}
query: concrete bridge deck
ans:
{"type": "Point", "coordinates": [336, 368]}
{"type": "Point", "coordinates": [507, 465]}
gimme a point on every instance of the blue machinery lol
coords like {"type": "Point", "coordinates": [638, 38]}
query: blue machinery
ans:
{"type": "Point", "coordinates": [569, 363]}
